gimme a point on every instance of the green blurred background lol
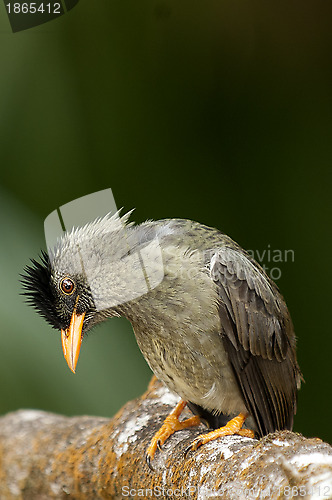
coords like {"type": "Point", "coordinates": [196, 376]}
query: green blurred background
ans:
{"type": "Point", "coordinates": [218, 111]}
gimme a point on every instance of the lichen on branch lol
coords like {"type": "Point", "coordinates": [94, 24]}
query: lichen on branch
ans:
{"type": "Point", "coordinates": [45, 456]}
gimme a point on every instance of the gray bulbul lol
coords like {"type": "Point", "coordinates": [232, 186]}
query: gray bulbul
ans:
{"type": "Point", "coordinates": [209, 321]}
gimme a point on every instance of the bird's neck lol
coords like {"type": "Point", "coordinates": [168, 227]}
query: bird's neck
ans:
{"type": "Point", "coordinates": [184, 295]}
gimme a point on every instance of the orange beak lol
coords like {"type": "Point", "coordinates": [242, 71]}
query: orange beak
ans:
{"type": "Point", "coordinates": [72, 339]}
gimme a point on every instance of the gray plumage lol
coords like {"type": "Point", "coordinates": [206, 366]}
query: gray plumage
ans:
{"type": "Point", "coordinates": [208, 320]}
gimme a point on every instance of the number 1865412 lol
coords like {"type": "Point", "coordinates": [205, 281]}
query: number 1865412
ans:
{"type": "Point", "coordinates": [33, 8]}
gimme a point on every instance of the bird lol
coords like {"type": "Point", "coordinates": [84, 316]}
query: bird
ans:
{"type": "Point", "coordinates": [209, 321]}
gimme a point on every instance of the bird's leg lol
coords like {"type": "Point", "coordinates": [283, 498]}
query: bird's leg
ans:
{"type": "Point", "coordinates": [234, 426]}
{"type": "Point", "coordinates": [170, 425]}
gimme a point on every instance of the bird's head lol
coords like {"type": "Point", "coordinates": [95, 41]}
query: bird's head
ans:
{"type": "Point", "coordinates": [75, 285]}
{"type": "Point", "coordinates": [64, 299]}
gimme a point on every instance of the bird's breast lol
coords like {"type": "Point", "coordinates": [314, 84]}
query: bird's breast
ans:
{"type": "Point", "coordinates": [193, 364]}
{"type": "Point", "coordinates": [178, 330]}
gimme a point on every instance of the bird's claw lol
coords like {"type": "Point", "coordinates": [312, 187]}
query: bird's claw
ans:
{"type": "Point", "coordinates": [193, 446]}
{"type": "Point", "coordinates": [233, 426]}
{"type": "Point", "coordinates": [150, 454]}
{"type": "Point", "coordinates": [171, 424]}
{"type": "Point", "coordinates": [148, 461]}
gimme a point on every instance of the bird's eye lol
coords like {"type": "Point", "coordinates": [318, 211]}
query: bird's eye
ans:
{"type": "Point", "coordinates": [67, 286]}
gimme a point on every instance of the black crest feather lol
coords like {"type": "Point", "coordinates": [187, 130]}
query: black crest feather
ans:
{"type": "Point", "coordinates": [38, 290]}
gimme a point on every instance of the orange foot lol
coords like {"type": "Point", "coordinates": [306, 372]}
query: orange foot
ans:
{"type": "Point", "coordinates": [170, 425]}
{"type": "Point", "coordinates": [234, 426]}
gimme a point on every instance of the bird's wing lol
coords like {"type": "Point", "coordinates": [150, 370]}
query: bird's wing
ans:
{"type": "Point", "coordinates": [258, 337]}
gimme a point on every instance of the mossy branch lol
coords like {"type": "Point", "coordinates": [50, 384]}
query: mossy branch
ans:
{"type": "Point", "coordinates": [45, 456]}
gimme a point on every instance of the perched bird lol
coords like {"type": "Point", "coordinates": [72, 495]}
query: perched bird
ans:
{"type": "Point", "coordinates": [209, 321]}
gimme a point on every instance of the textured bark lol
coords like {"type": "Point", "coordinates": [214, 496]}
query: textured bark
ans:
{"type": "Point", "coordinates": [45, 456]}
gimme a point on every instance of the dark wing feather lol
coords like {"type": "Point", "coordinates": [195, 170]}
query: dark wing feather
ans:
{"type": "Point", "coordinates": [258, 337]}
